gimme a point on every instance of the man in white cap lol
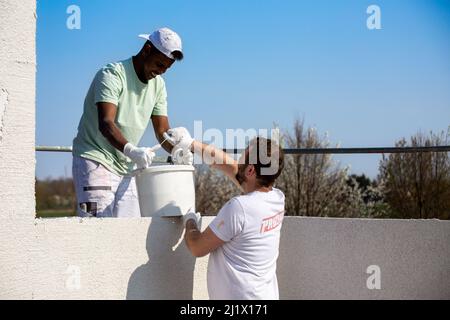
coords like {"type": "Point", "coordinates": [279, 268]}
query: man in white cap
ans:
{"type": "Point", "coordinates": [122, 99]}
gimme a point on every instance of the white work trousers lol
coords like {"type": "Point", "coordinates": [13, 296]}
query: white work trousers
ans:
{"type": "Point", "coordinates": [101, 193]}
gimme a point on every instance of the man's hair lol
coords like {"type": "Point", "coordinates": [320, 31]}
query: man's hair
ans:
{"type": "Point", "coordinates": [177, 55]}
{"type": "Point", "coordinates": [268, 159]}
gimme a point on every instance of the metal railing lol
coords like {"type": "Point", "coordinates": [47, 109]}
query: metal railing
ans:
{"type": "Point", "coordinates": [308, 150]}
{"type": "Point", "coordinates": [53, 149]}
{"type": "Point", "coordinates": [69, 149]}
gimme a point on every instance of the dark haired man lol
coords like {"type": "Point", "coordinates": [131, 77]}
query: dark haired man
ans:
{"type": "Point", "coordinates": [243, 239]}
{"type": "Point", "coordinates": [122, 99]}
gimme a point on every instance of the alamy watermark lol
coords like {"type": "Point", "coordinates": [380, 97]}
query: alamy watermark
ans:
{"type": "Point", "coordinates": [73, 21]}
{"type": "Point", "coordinates": [374, 280]}
{"type": "Point", "coordinates": [373, 22]}
{"type": "Point", "coordinates": [239, 138]}
{"type": "Point", "coordinates": [73, 280]}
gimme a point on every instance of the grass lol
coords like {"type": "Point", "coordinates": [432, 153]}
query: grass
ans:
{"type": "Point", "coordinates": [56, 213]}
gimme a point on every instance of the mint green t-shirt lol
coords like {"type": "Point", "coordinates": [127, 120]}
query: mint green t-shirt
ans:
{"type": "Point", "coordinates": [136, 102]}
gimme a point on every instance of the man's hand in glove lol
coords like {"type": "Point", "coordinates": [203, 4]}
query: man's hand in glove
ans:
{"type": "Point", "coordinates": [182, 156]}
{"type": "Point", "coordinates": [181, 138]}
{"type": "Point", "coordinates": [143, 157]}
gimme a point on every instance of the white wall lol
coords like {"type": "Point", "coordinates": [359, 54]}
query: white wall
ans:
{"type": "Point", "coordinates": [17, 108]}
{"type": "Point", "coordinates": [328, 258]}
{"type": "Point", "coordinates": [116, 258]}
{"type": "Point", "coordinates": [147, 259]}
{"type": "Point", "coordinates": [144, 258]}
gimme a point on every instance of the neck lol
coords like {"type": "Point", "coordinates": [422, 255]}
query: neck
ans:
{"type": "Point", "coordinates": [264, 189]}
{"type": "Point", "coordinates": [138, 64]}
{"type": "Point", "coordinates": [251, 188]}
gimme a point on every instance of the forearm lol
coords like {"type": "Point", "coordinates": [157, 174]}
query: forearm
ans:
{"type": "Point", "coordinates": [113, 134]}
{"type": "Point", "coordinates": [160, 126]}
{"type": "Point", "coordinates": [166, 145]}
{"type": "Point", "coordinates": [215, 157]}
{"type": "Point", "coordinates": [192, 235]}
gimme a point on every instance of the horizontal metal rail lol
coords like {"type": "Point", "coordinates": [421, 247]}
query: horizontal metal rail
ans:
{"type": "Point", "coordinates": [69, 149]}
{"type": "Point", "coordinates": [357, 150]}
{"type": "Point", "coordinates": [53, 149]}
{"type": "Point", "coordinates": [309, 150]}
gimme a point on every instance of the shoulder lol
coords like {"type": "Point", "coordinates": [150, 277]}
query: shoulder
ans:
{"type": "Point", "coordinates": [159, 79]}
{"type": "Point", "coordinates": [160, 83]}
{"type": "Point", "coordinates": [113, 68]}
{"type": "Point", "coordinates": [236, 203]}
{"type": "Point", "coordinates": [254, 199]}
{"type": "Point", "coordinates": [278, 193]}
{"type": "Point", "coordinates": [246, 198]}
{"type": "Point", "coordinates": [233, 208]}
{"type": "Point", "coordinates": [230, 220]}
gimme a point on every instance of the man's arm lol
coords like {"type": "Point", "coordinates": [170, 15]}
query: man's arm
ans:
{"type": "Point", "coordinates": [106, 116]}
{"type": "Point", "coordinates": [161, 125]}
{"type": "Point", "coordinates": [218, 159]}
{"type": "Point", "coordinates": [200, 243]}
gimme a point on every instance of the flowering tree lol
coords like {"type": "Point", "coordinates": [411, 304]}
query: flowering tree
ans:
{"type": "Point", "coordinates": [314, 184]}
{"type": "Point", "coordinates": [417, 185]}
{"type": "Point", "coordinates": [212, 190]}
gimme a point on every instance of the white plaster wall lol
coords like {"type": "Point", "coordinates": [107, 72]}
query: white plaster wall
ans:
{"type": "Point", "coordinates": [144, 258]}
{"type": "Point", "coordinates": [328, 258]}
{"type": "Point", "coordinates": [17, 162]}
{"type": "Point", "coordinates": [319, 259]}
{"type": "Point", "coordinates": [117, 259]}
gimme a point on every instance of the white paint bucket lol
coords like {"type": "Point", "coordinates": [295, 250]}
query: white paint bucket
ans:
{"type": "Point", "coordinates": [165, 190]}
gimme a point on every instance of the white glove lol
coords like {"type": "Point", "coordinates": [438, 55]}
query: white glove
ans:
{"type": "Point", "coordinates": [180, 137]}
{"type": "Point", "coordinates": [182, 156]}
{"type": "Point", "coordinates": [143, 157]}
{"type": "Point", "coordinates": [192, 215]}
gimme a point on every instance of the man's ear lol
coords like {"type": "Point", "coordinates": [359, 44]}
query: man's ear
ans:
{"type": "Point", "coordinates": [250, 170]}
{"type": "Point", "coordinates": [147, 49]}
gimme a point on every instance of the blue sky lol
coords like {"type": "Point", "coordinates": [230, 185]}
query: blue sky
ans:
{"type": "Point", "coordinates": [251, 63]}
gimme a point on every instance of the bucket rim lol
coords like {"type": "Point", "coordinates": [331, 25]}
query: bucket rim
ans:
{"type": "Point", "coordinates": [163, 168]}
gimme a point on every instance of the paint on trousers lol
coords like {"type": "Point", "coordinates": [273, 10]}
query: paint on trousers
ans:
{"type": "Point", "coordinates": [102, 193]}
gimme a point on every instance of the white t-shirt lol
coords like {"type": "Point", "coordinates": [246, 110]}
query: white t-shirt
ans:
{"type": "Point", "coordinates": [245, 266]}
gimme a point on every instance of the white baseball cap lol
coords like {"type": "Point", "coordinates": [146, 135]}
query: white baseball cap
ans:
{"type": "Point", "coordinates": [165, 40]}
